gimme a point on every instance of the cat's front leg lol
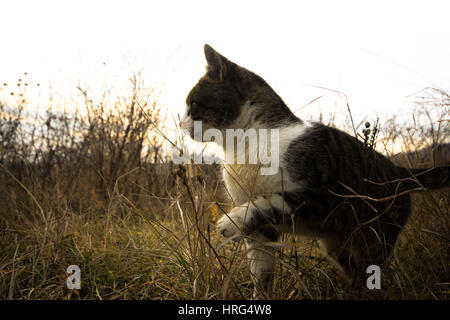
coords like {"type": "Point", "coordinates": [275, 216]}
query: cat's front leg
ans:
{"type": "Point", "coordinates": [256, 220]}
{"type": "Point", "coordinates": [245, 219]}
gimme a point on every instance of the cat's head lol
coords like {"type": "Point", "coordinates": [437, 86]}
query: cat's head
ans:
{"type": "Point", "coordinates": [229, 96]}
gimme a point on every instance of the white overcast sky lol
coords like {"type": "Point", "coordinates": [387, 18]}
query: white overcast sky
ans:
{"type": "Point", "coordinates": [376, 52]}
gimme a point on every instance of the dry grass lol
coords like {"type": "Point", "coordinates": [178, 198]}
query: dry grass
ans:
{"type": "Point", "coordinates": [93, 190]}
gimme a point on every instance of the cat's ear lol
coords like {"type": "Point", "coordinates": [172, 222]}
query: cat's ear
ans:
{"type": "Point", "coordinates": [218, 65]}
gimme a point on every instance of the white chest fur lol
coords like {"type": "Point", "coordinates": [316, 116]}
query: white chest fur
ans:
{"type": "Point", "coordinates": [245, 181]}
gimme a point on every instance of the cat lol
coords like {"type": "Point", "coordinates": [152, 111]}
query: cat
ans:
{"type": "Point", "coordinates": [329, 186]}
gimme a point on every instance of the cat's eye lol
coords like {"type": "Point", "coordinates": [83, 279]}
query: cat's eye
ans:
{"type": "Point", "coordinates": [193, 104]}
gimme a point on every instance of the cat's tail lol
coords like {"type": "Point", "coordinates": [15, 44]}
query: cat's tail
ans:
{"type": "Point", "coordinates": [433, 178]}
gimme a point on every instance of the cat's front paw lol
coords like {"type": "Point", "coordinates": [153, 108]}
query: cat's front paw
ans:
{"type": "Point", "coordinates": [232, 225]}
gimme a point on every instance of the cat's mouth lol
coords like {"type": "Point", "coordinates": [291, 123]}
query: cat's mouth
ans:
{"type": "Point", "coordinates": [197, 129]}
{"type": "Point", "coordinates": [192, 128]}
{"type": "Point", "coordinates": [187, 126]}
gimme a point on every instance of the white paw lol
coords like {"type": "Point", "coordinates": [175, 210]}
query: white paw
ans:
{"type": "Point", "coordinates": [232, 225]}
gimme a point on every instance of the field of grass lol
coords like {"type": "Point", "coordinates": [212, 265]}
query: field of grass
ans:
{"type": "Point", "coordinates": [94, 189]}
